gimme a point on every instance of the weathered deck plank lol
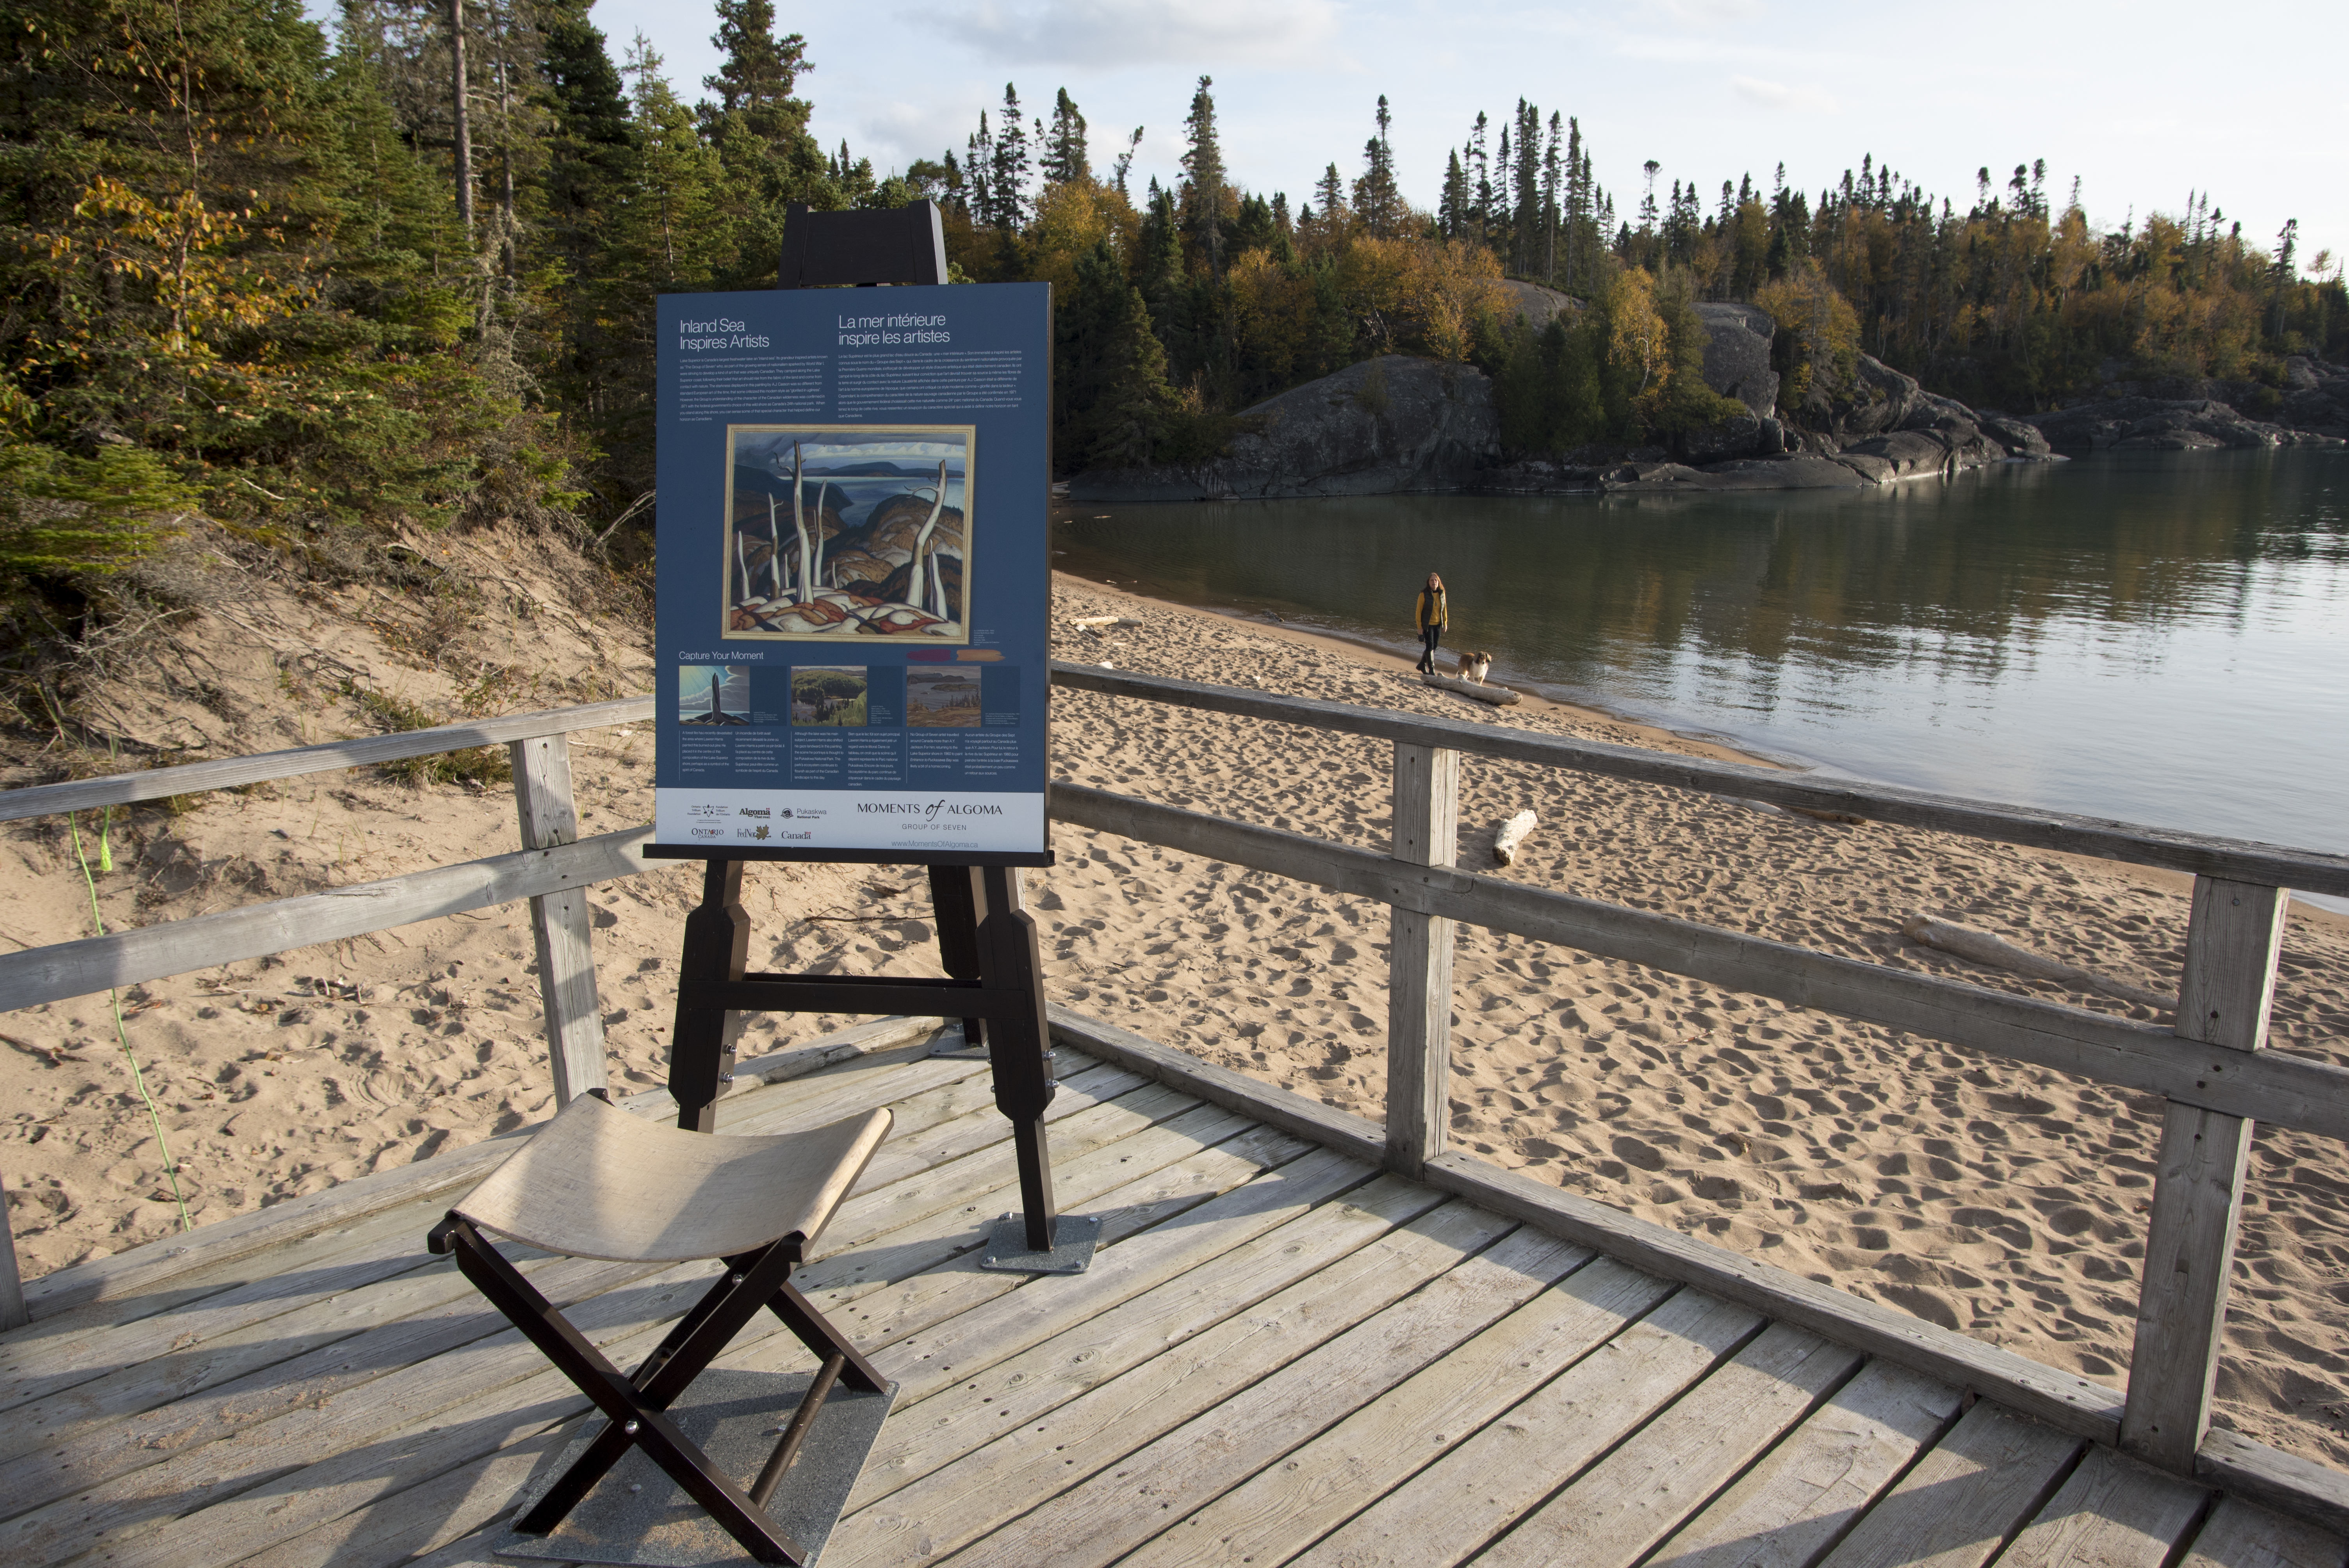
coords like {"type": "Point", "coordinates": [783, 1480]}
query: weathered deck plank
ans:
{"type": "Point", "coordinates": [989, 1393]}
{"type": "Point", "coordinates": [313, 1465]}
{"type": "Point", "coordinates": [994, 1483]}
{"type": "Point", "coordinates": [1279, 1356]}
{"type": "Point", "coordinates": [1285, 1509]}
{"type": "Point", "coordinates": [1637, 1494]}
{"type": "Point", "coordinates": [1489, 1483]}
{"type": "Point", "coordinates": [2238, 1535]}
{"type": "Point", "coordinates": [433, 1310]}
{"type": "Point", "coordinates": [1809, 1489]}
{"type": "Point", "coordinates": [1957, 1508]}
{"type": "Point", "coordinates": [2112, 1512]}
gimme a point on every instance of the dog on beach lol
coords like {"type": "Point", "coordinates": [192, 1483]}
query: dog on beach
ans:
{"type": "Point", "coordinates": [1473, 667]}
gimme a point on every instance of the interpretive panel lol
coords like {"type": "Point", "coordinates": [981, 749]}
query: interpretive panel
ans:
{"type": "Point", "coordinates": [851, 573]}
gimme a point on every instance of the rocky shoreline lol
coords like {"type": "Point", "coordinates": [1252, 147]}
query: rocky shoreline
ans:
{"type": "Point", "coordinates": [1399, 424]}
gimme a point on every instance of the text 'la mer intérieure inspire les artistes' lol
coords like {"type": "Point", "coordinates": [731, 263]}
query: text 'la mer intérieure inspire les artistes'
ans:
{"type": "Point", "coordinates": [856, 332]}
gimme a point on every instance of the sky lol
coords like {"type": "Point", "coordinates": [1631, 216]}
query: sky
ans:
{"type": "Point", "coordinates": [2142, 103]}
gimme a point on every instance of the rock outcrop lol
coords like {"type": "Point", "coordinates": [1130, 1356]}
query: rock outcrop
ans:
{"type": "Point", "coordinates": [2166, 425]}
{"type": "Point", "coordinates": [1386, 425]}
{"type": "Point", "coordinates": [1537, 304]}
{"type": "Point", "coordinates": [1737, 356]}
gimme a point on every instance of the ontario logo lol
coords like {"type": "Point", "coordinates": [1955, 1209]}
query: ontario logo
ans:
{"type": "Point", "coordinates": [708, 832]}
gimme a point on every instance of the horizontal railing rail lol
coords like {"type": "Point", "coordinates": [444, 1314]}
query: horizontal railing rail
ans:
{"type": "Point", "coordinates": [236, 772]}
{"type": "Point", "coordinates": [2268, 1086]}
{"type": "Point", "coordinates": [130, 958]}
{"type": "Point", "coordinates": [2235, 859]}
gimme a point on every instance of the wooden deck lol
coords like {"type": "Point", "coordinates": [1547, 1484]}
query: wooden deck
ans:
{"type": "Point", "coordinates": [1281, 1354]}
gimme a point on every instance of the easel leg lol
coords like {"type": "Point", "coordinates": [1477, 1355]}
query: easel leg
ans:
{"type": "Point", "coordinates": [717, 945]}
{"type": "Point", "coordinates": [1011, 959]}
{"type": "Point", "coordinates": [954, 903]}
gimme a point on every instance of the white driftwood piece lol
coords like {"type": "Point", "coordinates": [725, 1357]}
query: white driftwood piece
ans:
{"type": "Point", "coordinates": [1090, 622]}
{"type": "Point", "coordinates": [1499, 697]}
{"type": "Point", "coordinates": [1982, 947]}
{"type": "Point", "coordinates": [1509, 835]}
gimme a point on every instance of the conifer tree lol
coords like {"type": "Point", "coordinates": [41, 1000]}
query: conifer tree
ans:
{"type": "Point", "coordinates": [1378, 202]}
{"type": "Point", "coordinates": [1206, 191]}
{"type": "Point", "coordinates": [1007, 166]}
{"type": "Point", "coordinates": [1065, 159]}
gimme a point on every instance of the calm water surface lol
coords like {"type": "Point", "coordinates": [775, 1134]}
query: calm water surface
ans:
{"type": "Point", "coordinates": [2159, 637]}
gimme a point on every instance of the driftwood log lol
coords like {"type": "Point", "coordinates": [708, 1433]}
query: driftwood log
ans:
{"type": "Point", "coordinates": [1509, 835]}
{"type": "Point", "coordinates": [1982, 947]}
{"type": "Point", "coordinates": [1499, 697]}
{"type": "Point", "coordinates": [1090, 622]}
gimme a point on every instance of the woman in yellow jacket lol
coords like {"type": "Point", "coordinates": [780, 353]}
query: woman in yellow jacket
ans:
{"type": "Point", "coordinates": [1434, 617]}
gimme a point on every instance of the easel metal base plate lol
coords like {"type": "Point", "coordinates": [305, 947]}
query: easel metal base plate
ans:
{"type": "Point", "coordinates": [733, 1417]}
{"type": "Point", "coordinates": [949, 1042]}
{"type": "Point", "coordinates": [1074, 1237]}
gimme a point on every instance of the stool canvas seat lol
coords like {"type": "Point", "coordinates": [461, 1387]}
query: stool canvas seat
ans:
{"type": "Point", "coordinates": [599, 1182]}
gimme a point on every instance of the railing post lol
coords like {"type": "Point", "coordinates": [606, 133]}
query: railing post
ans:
{"type": "Point", "coordinates": [2190, 1246]}
{"type": "Point", "coordinates": [567, 954]}
{"type": "Point", "coordinates": [13, 1314]}
{"type": "Point", "coordinates": [1419, 963]}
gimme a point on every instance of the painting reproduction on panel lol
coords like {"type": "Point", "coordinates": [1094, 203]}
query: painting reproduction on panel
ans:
{"type": "Point", "coordinates": [848, 531]}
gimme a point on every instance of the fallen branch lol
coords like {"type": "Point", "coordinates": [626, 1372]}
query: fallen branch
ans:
{"type": "Point", "coordinates": [1982, 947]}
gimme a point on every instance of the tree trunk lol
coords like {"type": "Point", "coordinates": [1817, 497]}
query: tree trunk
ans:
{"type": "Point", "coordinates": [462, 115]}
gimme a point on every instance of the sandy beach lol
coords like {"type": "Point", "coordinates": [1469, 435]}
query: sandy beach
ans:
{"type": "Point", "coordinates": [2001, 1200]}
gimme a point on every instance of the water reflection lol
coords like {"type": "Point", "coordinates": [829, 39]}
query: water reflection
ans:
{"type": "Point", "coordinates": [2158, 637]}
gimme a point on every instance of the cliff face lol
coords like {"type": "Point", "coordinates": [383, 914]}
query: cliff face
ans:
{"type": "Point", "coordinates": [1386, 425]}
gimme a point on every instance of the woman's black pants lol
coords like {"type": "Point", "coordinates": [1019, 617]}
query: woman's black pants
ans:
{"type": "Point", "coordinates": [1429, 635]}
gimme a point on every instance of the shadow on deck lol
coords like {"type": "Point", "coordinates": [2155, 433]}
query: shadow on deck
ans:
{"type": "Point", "coordinates": [1281, 1354]}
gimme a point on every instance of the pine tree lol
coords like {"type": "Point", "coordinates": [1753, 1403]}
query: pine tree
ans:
{"type": "Point", "coordinates": [1008, 167]}
{"type": "Point", "coordinates": [1065, 159]}
{"type": "Point", "coordinates": [1206, 189]}
{"type": "Point", "coordinates": [1378, 202]}
{"type": "Point", "coordinates": [754, 119]}
{"type": "Point", "coordinates": [1451, 207]}
{"type": "Point", "coordinates": [1479, 169]}
{"type": "Point", "coordinates": [1525, 225]}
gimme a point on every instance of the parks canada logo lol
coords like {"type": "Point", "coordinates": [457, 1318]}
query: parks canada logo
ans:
{"type": "Point", "coordinates": [927, 814]}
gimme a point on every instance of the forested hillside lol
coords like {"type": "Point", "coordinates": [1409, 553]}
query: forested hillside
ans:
{"type": "Point", "coordinates": [303, 280]}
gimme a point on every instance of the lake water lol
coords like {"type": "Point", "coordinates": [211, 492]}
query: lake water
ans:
{"type": "Point", "coordinates": [2158, 637]}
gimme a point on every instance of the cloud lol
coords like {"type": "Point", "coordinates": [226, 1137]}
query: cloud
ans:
{"type": "Point", "coordinates": [1779, 95]}
{"type": "Point", "coordinates": [1110, 34]}
{"type": "Point", "coordinates": [1710, 13]}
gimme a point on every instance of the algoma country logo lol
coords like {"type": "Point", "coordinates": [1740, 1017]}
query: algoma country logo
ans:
{"type": "Point", "coordinates": [755, 811]}
{"type": "Point", "coordinates": [929, 813]}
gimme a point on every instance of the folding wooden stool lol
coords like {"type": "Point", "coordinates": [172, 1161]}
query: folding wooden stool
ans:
{"type": "Point", "coordinates": [600, 1182]}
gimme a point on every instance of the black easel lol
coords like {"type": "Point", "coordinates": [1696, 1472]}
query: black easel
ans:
{"type": "Point", "coordinates": [995, 973]}
{"type": "Point", "coordinates": [986, 942]}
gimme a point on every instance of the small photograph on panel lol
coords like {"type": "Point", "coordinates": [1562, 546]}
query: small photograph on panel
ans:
{"type": "Point", "coordinates": [944, 699]}
{"type": "Point", "coordinates": [713, 693]}
{"type": "Point", "coordinates": [828, 696]}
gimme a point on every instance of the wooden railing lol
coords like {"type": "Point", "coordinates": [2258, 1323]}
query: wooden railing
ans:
{"type": "Point", "coordinates": [553, 870]}
{"type": "Point", "coordinates": [2210, 1066]}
